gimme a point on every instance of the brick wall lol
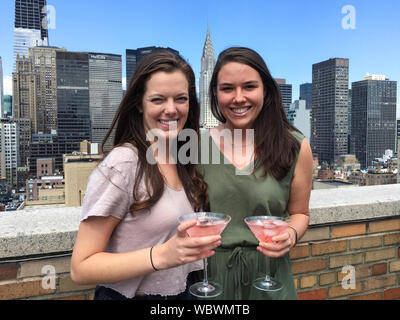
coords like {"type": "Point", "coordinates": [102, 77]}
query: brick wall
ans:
{"type": "Point", "coordinates": [371, 247]}
{"type": "Point", "coordinates": [33, 279]}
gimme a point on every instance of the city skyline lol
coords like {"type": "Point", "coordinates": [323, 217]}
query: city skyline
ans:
{"type": "Point", "coordinates": [290, 36]}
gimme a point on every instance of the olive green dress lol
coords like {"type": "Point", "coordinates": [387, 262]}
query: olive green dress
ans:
{"type": "Point", "coordinates": [237, 263]}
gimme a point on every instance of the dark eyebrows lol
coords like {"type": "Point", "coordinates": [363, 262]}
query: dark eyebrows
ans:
{"type": "Point", "coordinates": [254, 82]}
{"type": "Point", "coordinates": [250, 82]}
{"type": "Point", "coordinates": [224, 84]}
{"type": "Point", "coordinates": [159, 95]}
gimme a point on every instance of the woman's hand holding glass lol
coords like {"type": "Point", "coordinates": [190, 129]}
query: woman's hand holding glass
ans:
{"type": "Point", "coordinates": [281, 244]}
{"type": "Point", "coordinates": [181, 249]}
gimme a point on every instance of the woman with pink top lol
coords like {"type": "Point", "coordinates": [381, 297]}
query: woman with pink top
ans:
{"type": "Point", "coordinates": [129, 241]}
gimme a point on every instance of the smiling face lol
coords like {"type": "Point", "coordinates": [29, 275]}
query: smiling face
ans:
{"type": "Point", "coordinates": [240, 94]}
{"type": "Point", "coordinates": [165, 103]}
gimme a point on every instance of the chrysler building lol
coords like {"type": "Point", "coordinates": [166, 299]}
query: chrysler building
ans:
{"type": "Point", "coordinates": [207, 119]}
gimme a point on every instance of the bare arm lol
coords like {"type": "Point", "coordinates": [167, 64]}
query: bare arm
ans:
{"type": "Point", "coordinates": [300, 191]}
{"type": "Point", "coordinates": [90, 264]}
{"type": "Point", "coordinates": [298, 205]}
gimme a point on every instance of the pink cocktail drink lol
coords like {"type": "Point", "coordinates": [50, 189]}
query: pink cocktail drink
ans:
{"type": "Point", "coordinates": [207, 224]}
{"type": "Point", "coordinates": [207, 227]}
{"type": "Point", "coordinates": [265, 230]}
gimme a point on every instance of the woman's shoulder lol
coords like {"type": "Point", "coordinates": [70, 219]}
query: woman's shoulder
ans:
{"type": "Point", "coordinates": [122, 158]}
{"type": "Point", "coordinates": [124, 153]}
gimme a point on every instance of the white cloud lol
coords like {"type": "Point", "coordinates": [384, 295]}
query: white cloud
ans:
{"type": "Point", "coordinates": [7, 85]}
{"type": "Point", "coordinates": [123, 83]}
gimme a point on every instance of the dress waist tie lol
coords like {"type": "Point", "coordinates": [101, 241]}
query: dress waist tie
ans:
{"type": "Point", "coordinates": [238, 262]}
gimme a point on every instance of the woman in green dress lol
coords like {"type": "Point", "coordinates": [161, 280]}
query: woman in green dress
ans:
{"type": "Point", "coordinates": [274, 178]}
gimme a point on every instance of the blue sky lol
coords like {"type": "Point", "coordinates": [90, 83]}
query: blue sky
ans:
{"type": "Point", "coordinates": [291, 35]}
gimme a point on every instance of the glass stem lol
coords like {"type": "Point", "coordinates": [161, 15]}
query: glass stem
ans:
{"type": "Point", "coordinates": [205, 278]}
{"type": "Point", "coordinates": [268, 269]}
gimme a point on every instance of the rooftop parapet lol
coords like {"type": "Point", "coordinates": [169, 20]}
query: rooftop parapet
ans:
{"type": "Point", "coordinates": [353, 231]}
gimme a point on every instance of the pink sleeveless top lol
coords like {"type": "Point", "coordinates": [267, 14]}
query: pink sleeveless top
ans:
{"type": "Point", "coordinates": [110, 193]}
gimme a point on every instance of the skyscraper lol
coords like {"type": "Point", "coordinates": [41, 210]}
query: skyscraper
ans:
{"type": "Point", "coordinates": [31, 14]}
{"type": "Point", "coordinates": [2, 152]}
{"type": "Point", "coordinates": [25, 119]}
{"type": "Point", "coordinates": [133, 56]}
{"type": "Point", "coordinates": [30, 26]}
{"type": "Point", "coordinates": [350, 140]}
{"type": "Point", "coordinates": [300, 117]}
{"type": "Point", "coordinates": [7, 106]}
{"type": "Point", "coordinates": [44, 66]}
{"type": "Point", "coordinates": [373, 117]}
{"type": "Point", "coordinates": [286, 93]}
{"type": "Point", "coordinates": [207, 119]}
{"type": "Point", "coordinates": [329, 126]}
{"type": "Point", "coordinates": [398, 138]}
{"type": "Point", "coordinates": [24, 91]}
{"type": "Point", "coordinates": [16, 149]}
{"type": "Point", "coordinates": [73, 115]}
{"type": "Point", "coordinates": [34, 101]}
{"type": "Point", "coordinates": [1, 90]}
{"type": "Point", "coordinates": [105, 93]}
{"type": "Point", "coordinates": [10, 139]}
{"type": "Point", "coordinates": [306, 94]}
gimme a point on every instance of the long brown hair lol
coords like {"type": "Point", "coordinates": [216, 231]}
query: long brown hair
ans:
{"type": "Point", "coordinates": [129, 128]}
{"type": "Point", "coordinates": [275, 146]}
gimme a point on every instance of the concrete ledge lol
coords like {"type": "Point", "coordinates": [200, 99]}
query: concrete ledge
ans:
{"type": "Point", "coordinates": [41, 231]}
{"type": "Point", "coordinates": [354, 203]}
{"type": "Point", "coordinates": [53, 230]}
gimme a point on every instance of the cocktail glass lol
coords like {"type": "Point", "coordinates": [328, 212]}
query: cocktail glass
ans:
{"type": "Point", "coordinates": [208, 224]}
{"type": "Point", "coordinates": [265, 228]}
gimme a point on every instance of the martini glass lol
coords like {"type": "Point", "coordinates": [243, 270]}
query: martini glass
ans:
{"type": "Point", "coordinates": [208, 224]}
{"type": "Point", "coordinates": [265, 228]}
